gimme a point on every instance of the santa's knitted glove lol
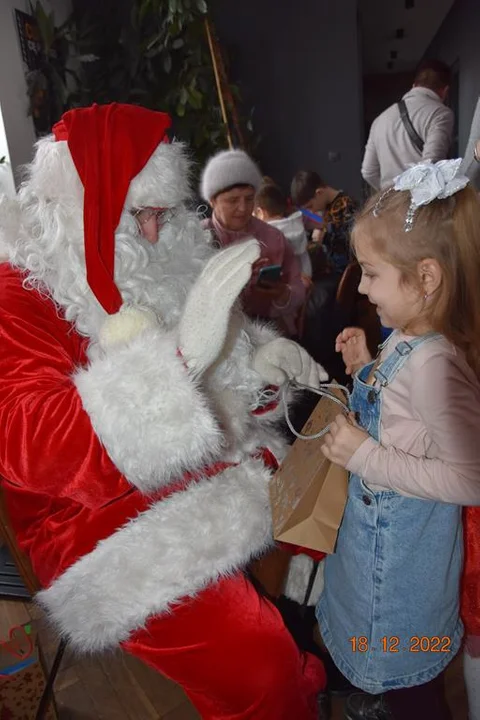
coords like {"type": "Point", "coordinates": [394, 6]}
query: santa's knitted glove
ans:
{"type": "Point", "coordinates": [283, 359]}
{"type": "Point", "coordinates": [204, 324]}
{"type": "Point", "coordinates": [126, 324]}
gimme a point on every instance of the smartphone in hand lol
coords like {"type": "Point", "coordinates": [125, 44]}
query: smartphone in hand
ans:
{"type": "Point", "coordinates": [269, 274]}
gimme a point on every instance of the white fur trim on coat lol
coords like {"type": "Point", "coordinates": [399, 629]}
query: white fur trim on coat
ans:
{"type": "Point", "coordinates": [150, 415]}
{"type": "Point", "coordinates": [171, 551]}
{"type": "Point", "coordinates": [298, 579]}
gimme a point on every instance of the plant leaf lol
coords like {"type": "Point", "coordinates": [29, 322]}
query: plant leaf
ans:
{"type": "Point", "coordinates": [150, 52]}
{"type": "Point", "coordinates": [45, 27]}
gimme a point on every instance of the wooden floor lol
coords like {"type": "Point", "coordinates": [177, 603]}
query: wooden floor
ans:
{"type": "Point", "coordinates": [118, 687]}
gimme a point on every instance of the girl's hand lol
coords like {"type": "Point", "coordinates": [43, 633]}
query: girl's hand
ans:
{"type": "Point", "coordinates": [343, 439]}
{"type": "Point", "coordinates": [352, 343]}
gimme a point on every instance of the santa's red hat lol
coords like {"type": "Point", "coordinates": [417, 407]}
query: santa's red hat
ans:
{"type": "Point", "coordinates": [109, 145]}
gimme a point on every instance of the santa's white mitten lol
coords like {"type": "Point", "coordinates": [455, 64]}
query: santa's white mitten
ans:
{"type": "Point", "coordinates": [125, 325]}
{"type": "Point", "coordinates": [204, 324]}
{"type": "Point", "coordinates": [282, 359]}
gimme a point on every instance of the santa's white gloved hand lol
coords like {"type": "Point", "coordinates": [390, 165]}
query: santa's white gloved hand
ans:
{"type": "Point", "coordinates": [283, 359]}
{"type": "Point", "coordinates": [204, 324]}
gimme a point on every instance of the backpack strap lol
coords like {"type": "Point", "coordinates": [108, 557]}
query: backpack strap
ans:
{"type": "Point", "coordinates": [408, 125]}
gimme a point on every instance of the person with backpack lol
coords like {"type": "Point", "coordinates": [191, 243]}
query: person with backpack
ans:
{"type": "Point", "coordinates": [418, 127]}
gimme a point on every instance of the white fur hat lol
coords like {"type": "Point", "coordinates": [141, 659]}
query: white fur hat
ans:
{"type": "Point", "coordinates": [228, 168]}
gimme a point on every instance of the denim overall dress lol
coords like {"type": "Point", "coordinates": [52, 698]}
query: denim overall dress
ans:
{"type": "Point", "coordinates": [389, 611]}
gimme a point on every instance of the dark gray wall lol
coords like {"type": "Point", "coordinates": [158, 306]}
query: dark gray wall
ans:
{"type": "Point", "coordinates": [298, 63]}
{"type": "Point", "coordinates": [459, 40]}
{"type": "Point", "coordinates": [382, 90]}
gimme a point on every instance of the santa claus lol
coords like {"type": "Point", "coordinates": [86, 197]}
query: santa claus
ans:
{"type": "Point", "coordinates": [138, 411]}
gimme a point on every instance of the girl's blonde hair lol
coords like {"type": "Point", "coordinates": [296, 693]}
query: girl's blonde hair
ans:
{"type": "Point", "coordinates": [447, 231]}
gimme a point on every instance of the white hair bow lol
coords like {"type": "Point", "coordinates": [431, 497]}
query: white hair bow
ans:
{"type": "Point", "coordinates": [429, 181]}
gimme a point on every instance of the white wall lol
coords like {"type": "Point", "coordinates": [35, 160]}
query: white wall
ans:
{"type": "Point", "coordinates": [7, 184]}
{"type": "Point", "coordinates": [19, 130]}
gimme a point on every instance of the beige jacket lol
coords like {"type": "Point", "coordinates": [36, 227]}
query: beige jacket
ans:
{"type": "Point", "coordinates": [390, 151]}
{"type": "Point", "coordinates": [471, 167]}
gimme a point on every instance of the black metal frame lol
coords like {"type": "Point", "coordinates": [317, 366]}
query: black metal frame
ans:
{"type": "Point", "coordinates": [47, 694]}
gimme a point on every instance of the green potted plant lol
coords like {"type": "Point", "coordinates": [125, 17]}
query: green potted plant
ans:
{"type": "Point", "coordinates": [153, 53]}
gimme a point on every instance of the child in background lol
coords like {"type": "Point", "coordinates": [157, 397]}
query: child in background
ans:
{"type": "Point", "coordinates": [310, 192]}
{"type": "Point", "coordinates": [389, 613]}
{"type": "Point", "coordinates": [271, 207]}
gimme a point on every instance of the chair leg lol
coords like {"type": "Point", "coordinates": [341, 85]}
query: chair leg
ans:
{"type": "Point", "coordinates": [48, 689]}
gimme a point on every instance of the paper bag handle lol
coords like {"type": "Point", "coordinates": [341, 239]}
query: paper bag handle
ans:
{"type": "Point", "coordinates": [323, 391]}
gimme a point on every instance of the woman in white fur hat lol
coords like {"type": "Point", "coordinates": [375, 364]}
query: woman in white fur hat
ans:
{"type": "Point", "coordinates": [229, 183]}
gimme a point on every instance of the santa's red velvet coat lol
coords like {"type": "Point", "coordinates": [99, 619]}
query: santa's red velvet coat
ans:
{"type": "Point", "coordinates": [65, 496]}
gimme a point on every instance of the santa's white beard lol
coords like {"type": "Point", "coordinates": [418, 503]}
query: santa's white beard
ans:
{"type": "Point", "coordinates": [50, 248]}
{"type": "Point", "coordinates": [160, 275]}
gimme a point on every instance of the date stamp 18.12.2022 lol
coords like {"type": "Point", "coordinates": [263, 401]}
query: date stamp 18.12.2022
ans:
{"type": "Point", "coordinates": [395, 644]}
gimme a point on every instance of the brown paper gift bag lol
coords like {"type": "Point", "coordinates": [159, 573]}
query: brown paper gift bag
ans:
{"type": "Point", "coordinates": [308, 493]}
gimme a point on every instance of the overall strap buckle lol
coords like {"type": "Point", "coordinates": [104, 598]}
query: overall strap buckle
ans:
{"type": "Point", "coordinates": [392, 364]}
{"type": "Point", "coordinates": [403, 348]}
{"type": "Point", "coordinates": [381, 378]}
{"type": "Point", "coordinates": [395, 360]}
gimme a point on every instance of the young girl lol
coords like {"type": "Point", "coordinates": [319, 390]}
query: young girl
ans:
{"type": "Point", "coordinates": [389, 613]}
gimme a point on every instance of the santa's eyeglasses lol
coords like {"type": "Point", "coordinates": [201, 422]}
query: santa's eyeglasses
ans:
{"type": "Point", "coordinates": [162, 215]}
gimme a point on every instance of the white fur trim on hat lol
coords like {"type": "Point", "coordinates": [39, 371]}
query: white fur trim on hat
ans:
{"type": "Point", "coordinates": [227, 168]}
{"type": "Point", "coordinates": [162, 182]}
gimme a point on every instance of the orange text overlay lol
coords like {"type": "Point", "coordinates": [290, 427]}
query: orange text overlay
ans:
{"type": "Point", "coordinates": [395, 644]}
